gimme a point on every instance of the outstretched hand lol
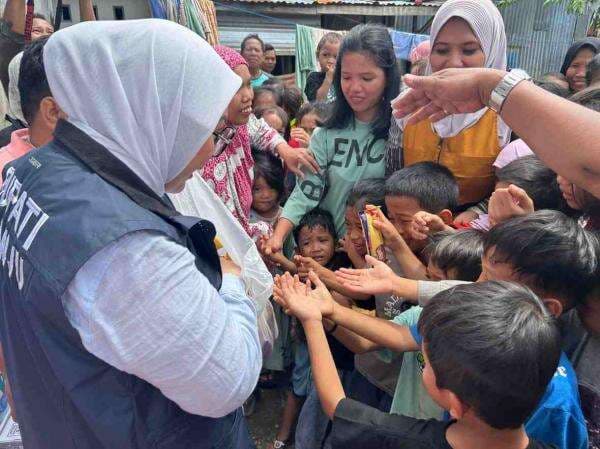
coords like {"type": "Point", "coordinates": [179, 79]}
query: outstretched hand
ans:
{"type": "Point", "coordinates": [369, 281]}
{"type": "Point", "coordinates": [300, 300]}
{"type": "Point", "coordinates": [447, 92]}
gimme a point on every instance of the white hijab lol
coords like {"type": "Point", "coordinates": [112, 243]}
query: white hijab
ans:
{"type": "Point", "coordinates": [486, 22]}
{"type": "Point", "coordinates": [150, 91]}
{"type": "Point", "coordinates": [14, 95]}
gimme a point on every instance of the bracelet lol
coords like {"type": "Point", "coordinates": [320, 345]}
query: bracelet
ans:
{"type": "Point", "coordinates": [333, 329]}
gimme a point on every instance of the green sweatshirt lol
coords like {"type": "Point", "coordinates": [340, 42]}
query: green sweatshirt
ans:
{"type": "Point", "coordinates": [345, 156]}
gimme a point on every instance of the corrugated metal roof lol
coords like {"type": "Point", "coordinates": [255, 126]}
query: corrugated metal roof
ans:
{"type": "Point", "coordinates": [427, 4]}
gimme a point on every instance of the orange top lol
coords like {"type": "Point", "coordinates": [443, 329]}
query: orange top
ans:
{"type": "Point", "coordinates": [469, 155]}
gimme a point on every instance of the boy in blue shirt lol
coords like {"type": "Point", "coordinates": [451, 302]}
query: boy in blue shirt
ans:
{"type": "Point", "coordinates": [546, 251]}
{"type": "Point", "coordinates": [490, 350]}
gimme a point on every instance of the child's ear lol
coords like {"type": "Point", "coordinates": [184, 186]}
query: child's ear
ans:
{"type": "Point", "coordinates": [455, 406]}
{"type": "Point", "coordinates": [446, 216]}
{"type": "Point", "coordinates": [554, 306]}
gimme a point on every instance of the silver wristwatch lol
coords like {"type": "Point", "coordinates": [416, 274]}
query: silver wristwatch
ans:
{"type": "Point", "coordinates": [508, 83]}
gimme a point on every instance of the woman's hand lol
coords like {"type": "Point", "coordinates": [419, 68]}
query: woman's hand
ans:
{"type": "Point", "coordinates": [228, 266]}
{"type": "Point", "coordinates": [450, 91]}
{"type": "Point", "coordinates": [370, 281]}
{"type": "Point", "coordinates": [509, 203]}
{"type": "Point", "coordinates": [300, 136]}
{"type": "Point", "coordinates": [296, 159]}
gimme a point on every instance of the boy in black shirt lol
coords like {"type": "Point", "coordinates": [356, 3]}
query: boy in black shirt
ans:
{"type": "Point", "coordinates": [490, 350]}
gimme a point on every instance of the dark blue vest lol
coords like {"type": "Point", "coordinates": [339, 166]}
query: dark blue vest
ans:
{"type": "Point", "coordinates": [56, 212]}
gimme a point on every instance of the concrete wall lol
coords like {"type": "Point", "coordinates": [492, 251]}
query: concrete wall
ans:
{"type": "Point", "coordinates": [134, 9]}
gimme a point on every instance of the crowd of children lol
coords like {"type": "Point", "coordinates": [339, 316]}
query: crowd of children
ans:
{"type": "Point", "coordinates": [478, 326]}
{"type": "Point", "coordinates": [475, 323]}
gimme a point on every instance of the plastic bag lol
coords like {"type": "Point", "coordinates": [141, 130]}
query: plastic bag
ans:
{"type": "Point", "coordinates": [198, 200]}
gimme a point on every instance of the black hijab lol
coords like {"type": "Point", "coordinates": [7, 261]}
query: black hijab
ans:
{"type": "Point", "coordinates": [589, 42]}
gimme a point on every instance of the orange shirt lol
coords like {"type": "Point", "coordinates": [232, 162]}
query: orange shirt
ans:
{"type": "Point", "coordinates": [470, 155]}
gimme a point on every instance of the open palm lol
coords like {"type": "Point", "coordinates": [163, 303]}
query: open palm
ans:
{"type": "Point", "coordinates": [371, 281]}
{"type": "Point", "coordinates": [295, 299]}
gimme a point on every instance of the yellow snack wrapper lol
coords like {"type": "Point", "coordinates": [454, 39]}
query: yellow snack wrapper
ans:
{"type": "Point", "coordinates": [373, 236]}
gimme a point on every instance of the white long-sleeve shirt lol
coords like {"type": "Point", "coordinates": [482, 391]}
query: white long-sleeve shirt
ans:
{"type": "Point", "coordinates": [141, 305]}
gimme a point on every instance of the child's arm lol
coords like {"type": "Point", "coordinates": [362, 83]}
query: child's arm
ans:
{"type": "Point", "coordinates": [353, 341]}
{"type": "Point", "coordinates": [276, 257]}
{"type": "Point", "coordinates": [294, 297]}
{"type": "Point", "coordinates": [324, 372]}
{"type": "Point", "coordinates": [327, 81]}
{"type": "Point", "coordinates": [410, 264]}
{"type": "Point", "coordinates": [373, 332]}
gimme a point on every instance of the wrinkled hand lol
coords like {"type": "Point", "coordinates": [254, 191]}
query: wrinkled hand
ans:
{"type": "Point", "coordinates": [369, 281]}
{"type": "Point", "coordinates": [391, 236]}
{"type": "Point", "coordinates": [296, 159]}
{"type": "Point", "coordinates": [300, 136]}
{"type": "Point", "coordinates": [228, 266]}
{"type": "Point", "coordinates": [450, 91]}
{"type": "Point", "coordinates": [424, 224]}
{"type": "Point", "coordinates": [297, 298]}
{"type": "Point", "coordinates": [508, 203]}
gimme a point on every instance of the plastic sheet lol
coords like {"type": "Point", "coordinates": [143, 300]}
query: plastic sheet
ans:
{"type": "Point", "coordinates": [197, 199]}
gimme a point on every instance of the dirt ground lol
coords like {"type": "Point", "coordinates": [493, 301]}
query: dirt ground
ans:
{"type": "Point", "coordinates": [263, 422]}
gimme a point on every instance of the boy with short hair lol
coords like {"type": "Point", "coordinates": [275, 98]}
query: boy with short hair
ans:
{"type": "Point", "coordinates": [546, 251]}
{"type": "Point", "coordinates": [422, 186]}
{"type": "Point", "coordinates": [490, 350]}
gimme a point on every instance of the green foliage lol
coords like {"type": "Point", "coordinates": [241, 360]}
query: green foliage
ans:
{"type": "Point", "coordinates": [573, 6]}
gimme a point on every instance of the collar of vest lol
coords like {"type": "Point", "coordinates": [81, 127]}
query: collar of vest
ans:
{"type": "Point", "coordinates": [111, 169]}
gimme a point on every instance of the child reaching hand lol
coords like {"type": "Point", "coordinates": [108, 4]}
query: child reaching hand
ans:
{"type": "Point", "coordinates": [487, 389]}
{"type": "Point", "coordinates": [319, 84]}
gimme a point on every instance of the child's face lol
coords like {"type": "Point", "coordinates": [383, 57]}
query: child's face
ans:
{"type": "Point", "coordinates": [354, 231]}
{"type": "Point", "coordinates": [363, 84]}
{"type": "Point", "coordinates": [275, 122]}
{"type": "Point", "coordinates": [400, 211]}
{"type": "Point", "coordinates": [264, 197]}
{"type": "Point", "coordinates": [493, 269]}
{"type": "Point", "coordinates": [434, 273]}
{"type": "Point", "coordinates": [316, 242]}
{"type": "Point", "coordinates": [328, 55]}
{"type": "Point", "coordinates": [264, 100]}
{"type": "Point", "coordinates": [309, 122]}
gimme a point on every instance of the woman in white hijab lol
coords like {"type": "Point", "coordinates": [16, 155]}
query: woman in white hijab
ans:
{"type": "Point", "coordinates": [464, 33]}
{"type": "Point", "coordinates": [158, 343]}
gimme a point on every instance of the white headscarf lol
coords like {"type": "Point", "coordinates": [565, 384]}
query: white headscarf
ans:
{"type": "Point", "coordinates": [150, 91]}
{"type": "Point", "coordinates": [486, 22]}
{"type": "Point", "coordinates": [14, 95]}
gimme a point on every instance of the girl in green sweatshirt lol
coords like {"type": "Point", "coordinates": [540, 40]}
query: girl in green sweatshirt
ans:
{"type": "Point", "coordinates": [350, 146]}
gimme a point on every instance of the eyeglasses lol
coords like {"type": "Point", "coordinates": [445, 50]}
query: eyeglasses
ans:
{"type": "Point", "coordinates": [223, 139]}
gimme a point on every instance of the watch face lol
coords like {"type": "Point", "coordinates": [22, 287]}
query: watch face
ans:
{"type": "Point", "coordinates": [278, 444]}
